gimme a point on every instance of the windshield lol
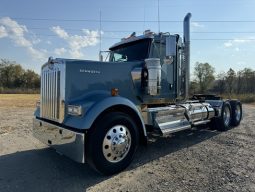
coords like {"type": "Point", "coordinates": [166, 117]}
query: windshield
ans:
{"type": "Point", "coordinates": [134, 51]}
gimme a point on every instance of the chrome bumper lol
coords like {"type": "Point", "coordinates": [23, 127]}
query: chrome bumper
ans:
{"type": "Point", "coordinates": [66, 142]}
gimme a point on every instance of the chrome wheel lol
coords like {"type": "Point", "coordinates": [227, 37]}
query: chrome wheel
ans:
{"type": "Point", "coordinates": [238, 113]}
{"type": "Point", "coordinates": [116, 143]}
{"type": "Point", "coordinates": [226, 116]}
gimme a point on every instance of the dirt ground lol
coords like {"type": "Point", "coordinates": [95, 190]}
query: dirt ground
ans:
{"type": "Point", "coordinates": [193, 160]}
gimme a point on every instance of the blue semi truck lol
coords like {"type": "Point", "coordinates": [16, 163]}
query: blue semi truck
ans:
{"type": "Point", "coordinates": [100, 111]}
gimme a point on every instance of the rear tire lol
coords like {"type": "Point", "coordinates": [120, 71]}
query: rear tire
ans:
{"type": "Point", "coordinates": [223, 122]}
{"type": "Point", "coordinates": [237, 113]}
{"type": "Point", "coordinates": [111, 143]}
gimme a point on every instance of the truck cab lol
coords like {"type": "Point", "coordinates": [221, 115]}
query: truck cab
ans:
{"type": "Point", "coordinates": [98, 112]}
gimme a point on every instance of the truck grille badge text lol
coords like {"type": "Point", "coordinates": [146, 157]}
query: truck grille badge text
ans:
{"type": "Point", "coordinates": [90, 71]}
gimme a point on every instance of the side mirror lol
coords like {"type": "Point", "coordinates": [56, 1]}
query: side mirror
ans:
{"type": "Point", "coordinates": [101, 58]}
{"type": "Point", "coordinates": [101, 55]}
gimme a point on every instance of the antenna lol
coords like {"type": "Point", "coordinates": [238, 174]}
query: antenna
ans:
{"type": "Point", "coordinates": [158, 19]}
{"type": "Point", "coordinates": [144, 17]}
{"type": "Point", "coordinates": [100, 36]}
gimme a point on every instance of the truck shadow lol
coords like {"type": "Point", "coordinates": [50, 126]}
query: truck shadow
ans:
{"type": "Point", "coordinates": [162, 146]}
{"type": "Point", "coordinates": [45, 170]}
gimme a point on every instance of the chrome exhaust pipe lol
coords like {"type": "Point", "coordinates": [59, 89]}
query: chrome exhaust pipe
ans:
{"type": "Point", "coordinates": [186, 41]}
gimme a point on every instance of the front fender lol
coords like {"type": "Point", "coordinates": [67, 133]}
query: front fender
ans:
{"type": "Point", "coordinates": [92, 109]}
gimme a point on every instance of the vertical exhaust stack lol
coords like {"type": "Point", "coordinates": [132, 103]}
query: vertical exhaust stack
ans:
{"type": "Point", "coordinates": [186, 40]}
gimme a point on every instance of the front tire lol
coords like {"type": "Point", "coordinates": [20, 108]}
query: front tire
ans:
{"type": "Point", "coordinates": [111, 143]}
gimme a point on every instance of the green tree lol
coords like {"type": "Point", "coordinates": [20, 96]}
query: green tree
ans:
{"type": "Point", "coordinates": [31, 79]}
{"type": "Point", "coordinates": [204, 74]}
{"type": "Point", "coordinates": [13, 76]}
{"type": "Point", "coordinates": [220, 83]}
{"type": "Point", "coordinates": [239, 82]}
{"type": "Point", "coordinates": [193, 87]}
{"type": "Point", "coordinates": [6, 73]}
{"type": "Point", "coordinates": [231, 80]}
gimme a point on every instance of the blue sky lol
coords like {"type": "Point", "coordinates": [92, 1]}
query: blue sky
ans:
{"type": "Point", "coordinates": [31, 31]}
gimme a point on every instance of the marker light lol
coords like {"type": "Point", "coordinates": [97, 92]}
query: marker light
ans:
{"type": "Point", "coordinates": [114, 92]}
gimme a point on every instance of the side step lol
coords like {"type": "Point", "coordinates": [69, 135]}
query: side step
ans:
{"type": "Point", "coordinates": [173, 130]}
{"type": "Point", "coordinates": [168, 119]}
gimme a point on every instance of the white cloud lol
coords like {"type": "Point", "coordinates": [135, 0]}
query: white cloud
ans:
{"type": "Point", "coordinates": [228, 44]}
{"type": "Point", "coordinates": [238, 41]}
{"type": "Point", "coordinates": [13, 26]}
{"type": "Point", "coordinates": [17, 33]}
{"type": "Point", "coordinates": [60, 32]}
{"type": "Point", "coordinates": [197, 25]}
{"type": "Point", "coordinates": [77, 42]}
{"type": "Point", "coordinates": [3, 32]}
{"type": "Point", "coordinates": [36, 40]}
{"type": "Point", "coordinates": [60, 51]}
{"type": "Point", "coordinates": [241, 40]}
{"type": "Point", "coordinates": [37, 54]}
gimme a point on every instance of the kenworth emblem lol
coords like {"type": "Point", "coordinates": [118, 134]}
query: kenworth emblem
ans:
{"type": "Point", "coordinates": [90, 71]}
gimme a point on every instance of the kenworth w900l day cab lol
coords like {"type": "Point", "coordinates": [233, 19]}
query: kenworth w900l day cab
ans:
{"type": "Point", "coordinates": [99, 112]}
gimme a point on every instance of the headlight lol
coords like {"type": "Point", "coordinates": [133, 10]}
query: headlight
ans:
{"type": "Point", "coordinates": [74, 110]}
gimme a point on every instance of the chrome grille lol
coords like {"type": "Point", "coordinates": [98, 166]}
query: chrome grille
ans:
{"type": "Point", "coordinates": [51, 98]}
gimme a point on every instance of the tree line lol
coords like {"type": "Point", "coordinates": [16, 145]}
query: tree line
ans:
{"type": "Point", "coordinates": [225, 83]}
{"type": "Point", "coordinates": [13, 78]}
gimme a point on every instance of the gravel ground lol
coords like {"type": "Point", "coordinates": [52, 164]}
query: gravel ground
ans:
{"type": "Point", "coordinates": [193, 160]}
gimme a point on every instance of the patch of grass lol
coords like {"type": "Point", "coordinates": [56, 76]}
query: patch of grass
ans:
{"type": "Point", "coordinates": [18, 100]}
{"type": "Point", "coordinates": [18, 91]}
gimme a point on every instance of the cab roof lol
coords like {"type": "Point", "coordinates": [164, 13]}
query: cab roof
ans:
{"type": "Point", "coordinates": [131, 39]}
